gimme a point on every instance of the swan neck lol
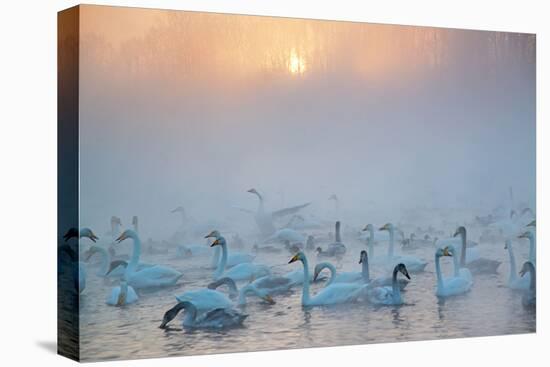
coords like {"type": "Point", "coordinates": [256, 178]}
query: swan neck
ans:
{"type": "Point", "coordinates": [390, 248]}
{"type": "Point", "coordinates": [332, 270]}
{"type": "Point", "coordinates": [337, 231]}
{"type": "Point", "coordinates": [395, 287]}
{"type": "Point", "coordinates": [533, 282]}
{"type": "Point", "coordinates": [532, 249]}
{"type": "Point", "coordinates": [132, 265]}
{"type": "Point", "coordinates": [216, 257]}
{"type": "Point", "coordinates": [463, 252]}
{"type": "Point", "coordinates": [305, 286]}
{"type": "Point", "coordinates": [440, 284]}
{"type": "Point", "coordinates": [223, 262]}
{"type": "Point", "coordinates": [365, 269]}
{"type": "Point", "coordinates": [513, 275]}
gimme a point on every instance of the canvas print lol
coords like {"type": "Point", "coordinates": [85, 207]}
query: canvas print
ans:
{"type": "Point", "coordinates": [233, 183]}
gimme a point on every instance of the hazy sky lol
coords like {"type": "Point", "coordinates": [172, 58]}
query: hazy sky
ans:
{"type": "Point", "coordinates": [195, 108]}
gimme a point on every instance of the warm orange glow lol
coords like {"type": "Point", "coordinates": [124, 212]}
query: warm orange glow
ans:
{"type": "Point", "coordinates": [296, 64]}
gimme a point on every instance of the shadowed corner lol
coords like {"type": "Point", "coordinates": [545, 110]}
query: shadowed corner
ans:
{"type": "Point", "coordinates": [48, 345]}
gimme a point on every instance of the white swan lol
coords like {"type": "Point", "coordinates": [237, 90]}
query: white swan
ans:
{"type": "Point", "coordinates": [286, 234]}
{"type": "Point", "coordinates": [245, 271]}
{"type": "Point", "coordinates": [529, 298]}
{"type": "Point", "coordinates": [389, 295]}
{"type": "Point", "coordinates": [450, 286]}
{"type": "Point", "coordinates": [216, 319]}
{"type": "Point", "coordinates": [335, 277]}
{"type": "Point", "coordinates": [209, 298]}
{"type": "Point", "coordinates": [124, 294]}
{"type": "Point", "coordinates": [478, 266]}
{"type": "Point", "coordinates": [380, 281]}
{"type": "Point", "coordinates": [413, 263]}
{"type": "Point", "coordinates": [532, 246]}
{"type": "Point", "coordinates": [513, 281]}
{"type": "Point", "coordinates": [331, 295]}
{"type": "Point", "coordinates": [103, 270]}
{"type": "Point", "coordinates": [264, 219]}
{"type": "Point", "coordinates": [149, 277]}
{"type": "Point", "coordinates": [235, 258]}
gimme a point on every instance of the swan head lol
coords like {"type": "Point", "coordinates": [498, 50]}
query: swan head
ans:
{"type": "Point", "coordinates": [116, 220]}
{"type": "Point", "coordinates": [87, 232]}
{"type": "Point", "coordinates": [533, 223]}
{"type": "Point", "coordinates": [318, 269]}
{"type": "Point", "coordinates": [71, 233]}
{"type": "Point", "coordinates": [446, 251]}
{"type": "Point", "coordinates": [299, 257]}
{"type": "Point", "coordinates": [253, 191]}
{"type": "Point", "coordinates": [333, 197]}
{"type": "Point", "coordinates": [318, 250]}
{"type": "Point", "coordinates": [115, 264]}
{"type": "Point", "coordinates": [173, 312]}
{"type": "Point", "coordinates": [127, 234]}
{"type": "Point", "coordinates": [363, 256]}
{"type": "Point", "coordinates": [386, 227]}
{"type": "Point", "coordinates": [213, 234]}
{"type": "Point", "coordinates": [526, 234]}
{"type": "Point", "coordinates": [403, 270]}
{"type": "Point", "coordinates": [134, 220]}
{"type": "Point", "coordinates": [262, 294]}
{"type": "Point", "coordinates": [368, 227]}
{"type": "Point", "coordinates": [460, 231]}
{"type": "Point", "coordinates": [218, 242]}
{"type": "Point", "coordinates": [526, 268]}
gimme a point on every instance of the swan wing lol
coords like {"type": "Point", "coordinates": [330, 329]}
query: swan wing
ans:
{"type": "Point", "coordinates": [287, 211]}
{"type": "Point", "coordinates": [337, 294]}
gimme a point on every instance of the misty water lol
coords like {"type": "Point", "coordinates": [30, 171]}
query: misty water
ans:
{"type": "Point", "coordinates": [416, 126]}
{"type": "Point", "coordinates": [132, 331]}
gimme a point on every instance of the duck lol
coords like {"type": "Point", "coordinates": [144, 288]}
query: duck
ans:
{"type": "Point", "coordinates": [413, 263]}
{"type": "Point", "coordinates": [149, 277]}
{"type": "Point", "coordinates": [245, 271]}
{"type": "Point", "coordinates": [477, 266]}
{"type": "Point", "coordinates": [385, 295]}
{"type": "Point", "coordinates": [219, 318]}
{"type": "Point", "coordinates": [333, 294]}
{"type": "Point", "coordinates": [450, 286]}
{"type": "Point", "coordinates": [529, 298]}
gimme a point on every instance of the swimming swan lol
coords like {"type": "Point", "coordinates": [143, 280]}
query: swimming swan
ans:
{"type": "Point", "coordinates": [513, 281]}
{"type": "Point", "coordinates": [529, 298]}
{"type": "Point", "coordinates": [333, 294]}
{"type": "Point", "coordinates": [450, 286]}
{"type": "Point", "coordinates": [150, 277]}
{"type": "Point", "coordinates": [389, 295]}
{"type": "Point", "coordinates": [532, 247]}
{"type": "Point", "coordinates": [245, 271]}
{"type": "Point", "coordinates": [218, 318]}
{"type": "Point", "coordinates": [124, 294]}
{"type": "Point", "coordinates": [478, 266]}
{"type": "Point", "coordinates": [413, 263]}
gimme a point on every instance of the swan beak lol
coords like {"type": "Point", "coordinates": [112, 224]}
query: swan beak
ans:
{"type": "Point", "coordinates": [446, 252]}
{"type": "Point", "coordinates": [93, 237]}
{"type": "Point", "coordinates": [521, 273]}
{"type": "Point", "coordinates": [215, 243]}
{"type": "Point", "coordinates": [407, 275]}
{"type": "Point", "coordinates": [211, 234]}
{"type": "Point", "coordinates": [315, 275]}
{"type": "Point", "coordinates": [121, 238]}
{"type": "Point", "coordinates": [269, 299]}
{"type": "Point", "coordinates": [365, 229]}
{"type": "Point", "coordinates": [506, 245]}
{"type": "Point", "coordinates": [294, 258]}
{"type": "Point", "coordinates": [532, 224]}
{"type": "Point", "coordinates": [361, 260]}
{"type": "Point", "coordinates": [523, 235]}
{"type": "Point", "coordinates": [456, 233]}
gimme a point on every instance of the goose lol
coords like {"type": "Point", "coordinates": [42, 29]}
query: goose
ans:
{"type": "Point", "coordinates": [529, 298]}
{"type": "Point", "coordinates": [264, 220]}
{"type": "Point", "coordinates": [450, 286]}
{"type": "Point", "coordinates": [233, 259]}
{"type": "Point", "coordinates": [149, 277]}
{"type": "Point", "coordinates": [218, 318]}
{"type": "Point", "coordinates": [244, 271]}
{"type": "Point", "coordinates": [210, 298]}
{"type": "Point", "coordinates": [333, 294]}
{"type": "Point", "coordinates": [385, 295]}
{"type": "Point", "coordinates": [413, 263]}
{"type": "Point", "coordinates": [513, 281]}
{"type": "Point", "coordinates": [532, 247]}
{"type": "Point", "coordinates": [478, 266]}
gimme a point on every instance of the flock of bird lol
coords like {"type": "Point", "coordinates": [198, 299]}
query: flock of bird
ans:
{"type": "Point", "coordinates": [236, 276]}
